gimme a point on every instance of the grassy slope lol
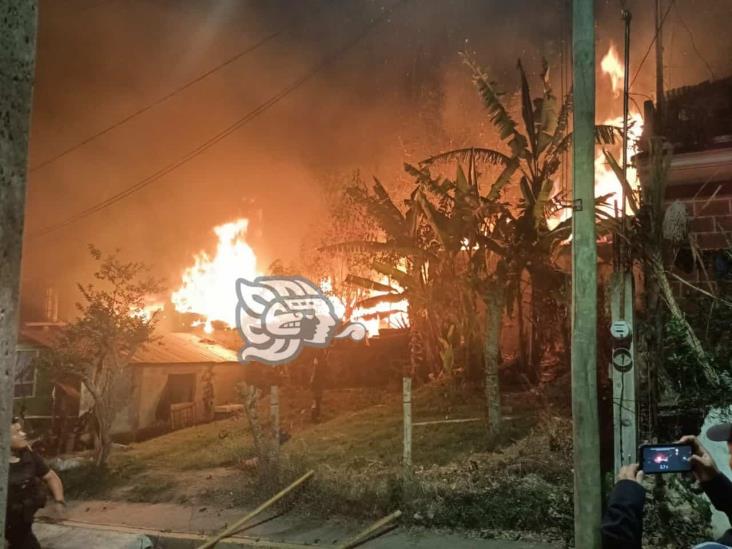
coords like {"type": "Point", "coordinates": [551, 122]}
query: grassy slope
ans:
{"type": "Point", "coordinates": [461, 478]}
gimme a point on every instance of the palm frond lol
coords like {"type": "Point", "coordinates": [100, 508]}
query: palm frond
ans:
{"type": "Point", "coordinates": [367, 284]}
{"type": "Point", "coordinates": [500, 117]}
{"type": "Point", "coordinates": [503, 179]}
{"type": "Point", "coordinates": [480, 155]}
{"type": "Point", "coordinates": [527, 111]}
{"type": "Point", "coordinates": [403, 279]}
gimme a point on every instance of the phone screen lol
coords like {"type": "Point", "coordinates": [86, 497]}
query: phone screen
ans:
{"type": "Point", "coordinates": [670, 458]}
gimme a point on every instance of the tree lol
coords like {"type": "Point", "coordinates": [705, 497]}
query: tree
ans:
{"type": "Point", "coordinates": [532, 160]}
{"type": "Point", "coordinates": [111, 327]}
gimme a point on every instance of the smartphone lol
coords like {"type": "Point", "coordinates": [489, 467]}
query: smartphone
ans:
{"type": "Point", "coordinates": [665, 458]}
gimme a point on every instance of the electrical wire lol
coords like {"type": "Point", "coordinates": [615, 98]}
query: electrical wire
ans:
{"type": "Point", "coordinates": [693, 43]}
{"type": "Point", "coordinates": [653, 41]}
{"type": "Point", "coordinates": [248, 117]}
{"type": "Point", "coordinates": [162, 99]}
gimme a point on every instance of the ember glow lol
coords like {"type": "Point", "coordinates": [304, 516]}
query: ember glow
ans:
{"type": "Point", "coordinates": [207, 287]}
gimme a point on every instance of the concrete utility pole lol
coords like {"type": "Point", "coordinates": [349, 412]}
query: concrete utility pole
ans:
{"type": "Point", "coordinates": [587, 476]}
{"type": "Point", "coordinates": [17, 66]}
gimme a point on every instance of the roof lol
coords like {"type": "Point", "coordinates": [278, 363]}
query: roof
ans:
{"type": "Point", "coordinates": [176, 348]}
{"type": "Point", "coordinates": [166, 348]}
{"type": "Point", "coordinates": [700, 117]}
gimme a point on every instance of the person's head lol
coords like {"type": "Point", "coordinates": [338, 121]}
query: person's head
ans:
{"type": "Point", "coordinates": [722, 432]}
{"type": "Point", "coordinates": [18, 438]}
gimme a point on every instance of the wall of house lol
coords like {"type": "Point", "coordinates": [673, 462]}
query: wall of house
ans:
{"type": "Point", "coordinates": [148, 382]}
{"type": "Point", "coordinates": [709, 207]}
{"type": "Point", "coordinates": [40, 403]}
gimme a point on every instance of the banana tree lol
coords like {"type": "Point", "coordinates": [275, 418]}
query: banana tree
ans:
{"type": "Point", "coordinates": [402, 243]}
{"type": "Point", "coordinates": [530, 161]}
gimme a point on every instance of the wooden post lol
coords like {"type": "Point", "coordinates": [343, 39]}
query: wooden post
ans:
{"type": "Point", "coordinates": [274, 401]}
{"type": "Point", "coordinates": [407, 404]}
{"type": "Point", "coordinates": [623, 369]}
{"type": "Point", "coordinates": [587, 477]}
{"type": "Point", "coordinates": [17, 66]}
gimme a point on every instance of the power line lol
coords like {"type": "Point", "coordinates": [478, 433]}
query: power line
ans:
{"type": "Point", "coordinates": [157, 102]}
{"type": "Point", "coordinates": [251, 115]}
{"type": "Point", "coordinates": [693, 43]}
{"type": "Point", "coordinates": [655, 37]}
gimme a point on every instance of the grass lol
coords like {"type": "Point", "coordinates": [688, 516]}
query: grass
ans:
{"type": "Point", "coordinates": [461, 478]}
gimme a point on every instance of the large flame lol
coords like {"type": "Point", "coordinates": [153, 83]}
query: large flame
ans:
{"type": "Point", "coordinates": [606, 182]}
{"type": "Point", "coordinates": [613, 67]}
{"type": "Point", "coordinates": [208, 286]}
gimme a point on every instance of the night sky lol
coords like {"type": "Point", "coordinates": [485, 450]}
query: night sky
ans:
{"type": "Point", "coordinates": [398, 89]}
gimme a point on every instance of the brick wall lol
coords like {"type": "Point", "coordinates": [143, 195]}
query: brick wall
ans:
{"type": "Point", "coordinates": [710, 212]}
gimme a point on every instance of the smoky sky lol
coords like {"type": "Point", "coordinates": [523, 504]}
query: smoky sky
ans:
{"type": "Point", "coordinates": [400, 90]}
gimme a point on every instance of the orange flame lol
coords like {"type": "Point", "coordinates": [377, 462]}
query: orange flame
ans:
{"type": "Point", "coordinates": [613, 67]}
{"type": "Point", "coordinates": [606, 182]}
{"type": "Point", "coordinates": [208, 286]}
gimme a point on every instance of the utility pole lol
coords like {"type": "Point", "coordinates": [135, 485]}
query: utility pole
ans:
{"type": "Point", "coordinates": [587, 476]}
{"type": "Point", "coordinates": [660, 95]}
{"type": "Point", "coordinates": [17, 66]}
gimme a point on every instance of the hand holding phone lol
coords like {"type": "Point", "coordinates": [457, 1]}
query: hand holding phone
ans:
{"type": "Point", "coordinates": [701, 462]}
{"type": "Point", "coordinates": [657, 459]}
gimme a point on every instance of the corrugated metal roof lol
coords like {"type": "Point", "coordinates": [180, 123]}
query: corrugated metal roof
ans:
{"type": "Point", "coordinates": [182, 348]}
{"type": "Point", "coordinates": [167, 348]}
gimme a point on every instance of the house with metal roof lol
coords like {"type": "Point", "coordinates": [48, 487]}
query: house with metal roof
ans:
{"type": "Point", "coordinates": [174, 381]}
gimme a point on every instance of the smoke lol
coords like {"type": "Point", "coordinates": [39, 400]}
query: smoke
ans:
{"type": "Point", "coordinates": [399, 94]}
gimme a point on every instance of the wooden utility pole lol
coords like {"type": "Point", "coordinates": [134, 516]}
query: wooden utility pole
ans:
{"type": "Point", "coordinates": [587, 477]}
{"type": "Point", "coordinates": [17, 67]}
{"type": "Point", "coordinates": [660, 100]}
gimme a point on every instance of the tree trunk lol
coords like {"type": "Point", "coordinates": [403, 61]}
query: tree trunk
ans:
{"type": "Point", "coordinates": [17, 56]}
{"type": "Point", "coordinates": [491, 342]}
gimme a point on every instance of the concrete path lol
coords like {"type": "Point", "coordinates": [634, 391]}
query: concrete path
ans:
{"type": "Point", "coordinates": [172, 526]}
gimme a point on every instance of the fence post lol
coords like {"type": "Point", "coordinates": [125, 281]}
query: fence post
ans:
{"type": "Point", "coordinates": [407, 403]}
{"type": "Point", "coordinates": [274, 402]}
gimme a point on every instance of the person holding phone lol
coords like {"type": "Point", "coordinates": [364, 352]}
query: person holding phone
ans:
{"type": "Point", "coordinates": [622, 523]}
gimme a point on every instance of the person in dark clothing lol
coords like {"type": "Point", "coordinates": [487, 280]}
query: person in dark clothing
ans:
{"type": "Point", "coordinates": [25, 491]}
{"type": "Point", "coordinates": [622, 523]}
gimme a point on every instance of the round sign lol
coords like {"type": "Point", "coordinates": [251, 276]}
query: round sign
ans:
{"type": "Point", "coordinates": [620, 329]}
{"type": "Point", "coordinates": [622, 360]}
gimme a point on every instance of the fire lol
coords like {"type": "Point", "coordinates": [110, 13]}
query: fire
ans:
{"type": "Point", "coordinates": [383, 315]}
{"type": "Point", "coordinates": [606, 182]}
{"type": "Point", "coordinates": [208, 286]}
{"type": "Point", "coordinates": [613, 67]}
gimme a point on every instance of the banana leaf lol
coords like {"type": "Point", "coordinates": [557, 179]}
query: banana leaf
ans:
{"type": "Point", "coordinates": [368, 284]}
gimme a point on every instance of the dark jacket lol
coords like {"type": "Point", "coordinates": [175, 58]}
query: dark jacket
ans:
{"type": "Point", "coordinates": [622, 523]}
{"type": "Point", "coordinates": [26, 493]}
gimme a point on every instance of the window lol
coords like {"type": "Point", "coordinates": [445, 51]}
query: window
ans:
{"type": "Point", "coordinates": [25, 374]}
